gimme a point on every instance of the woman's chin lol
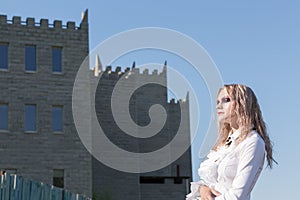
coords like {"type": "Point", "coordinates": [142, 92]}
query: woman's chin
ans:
{"type": "Point", "coordinates": [221, 120]}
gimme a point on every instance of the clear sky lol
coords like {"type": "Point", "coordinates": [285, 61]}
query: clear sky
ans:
{"type": "Point", "coordinates": [256, 43]}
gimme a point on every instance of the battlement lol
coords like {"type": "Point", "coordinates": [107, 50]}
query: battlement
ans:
{"type": "Point", "coordinates": [128, 72]}
{"type": "Point", "coordinates": [173, 101]}
{"type": "Point", "coordinates": [109, 73]}
{"type": "Point", "coordinates": [44, 23]}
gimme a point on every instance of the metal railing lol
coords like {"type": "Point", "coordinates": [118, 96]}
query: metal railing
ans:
{"type": "Point", "coordinates": [13, 187]}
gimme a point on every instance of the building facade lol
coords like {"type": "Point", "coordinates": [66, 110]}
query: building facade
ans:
{"type": "Point", "coordinates": [170, 182]}
{"type": "Point", "coordinates": [38, 138]}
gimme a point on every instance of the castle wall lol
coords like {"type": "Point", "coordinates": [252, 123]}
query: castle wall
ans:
{"type": "Point", "coordinates": [35, 155]}
{"type": "Point", "coordinates": [169, 182]}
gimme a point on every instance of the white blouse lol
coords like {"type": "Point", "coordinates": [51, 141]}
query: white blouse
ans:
{"type": "Point", "coordinates": [233, 170]}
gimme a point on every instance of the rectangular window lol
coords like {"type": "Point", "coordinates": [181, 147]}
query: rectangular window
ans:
{"type": "Point", "coordinates": [3, 56]}
{"type": "Point", "coordinates": [30, 58]}
{"type": "Point", "coordinates": [30, 118]}
{"type": "Point", "coordinates": [56, 59]}
{"type": "Point", "coordinates": [58, 178]}
{"type": "Point", "coordinates": [57, 118]}
{"type": "Point", "coordinates": [152, 180]}
{"type": "Point", "coordinates": [3, 117]}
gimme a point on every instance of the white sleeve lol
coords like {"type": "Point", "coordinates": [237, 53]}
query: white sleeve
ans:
{"type": "Point", "coordinates": [204, 172]}
{"type": "Point", "coordinates": [250, 165]}
{"type": "Point", "coordinates": [195, 190]}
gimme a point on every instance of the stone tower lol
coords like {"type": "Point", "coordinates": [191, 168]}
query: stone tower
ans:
{"type": "Point", "coordinates": [170, 182]}
{"type": "Point", "coordinates": [38, 138]}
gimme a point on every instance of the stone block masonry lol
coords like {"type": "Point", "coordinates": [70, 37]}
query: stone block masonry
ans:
{"type": "Point", "coordinates": [36, 154]}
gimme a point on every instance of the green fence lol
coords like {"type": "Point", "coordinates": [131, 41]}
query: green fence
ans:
{"type": "Point", "coordinates": [15, 187]}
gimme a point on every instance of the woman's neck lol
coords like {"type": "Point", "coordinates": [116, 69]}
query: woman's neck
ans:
{"type": "Point", "coordinates": [233, 128]}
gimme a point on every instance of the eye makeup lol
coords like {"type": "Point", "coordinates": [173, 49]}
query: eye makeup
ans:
{"type": "Point", "coordinates": [224, 100]}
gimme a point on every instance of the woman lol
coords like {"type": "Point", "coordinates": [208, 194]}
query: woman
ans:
{"type": "Point", "coordinates": [232, 167]}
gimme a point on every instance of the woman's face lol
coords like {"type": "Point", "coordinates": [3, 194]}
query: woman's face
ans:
{"type": "Point", "coordinates": [225, 107]}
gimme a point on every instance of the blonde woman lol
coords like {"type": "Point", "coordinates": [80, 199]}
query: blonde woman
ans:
{"type": "Point", "coordinates": [233, 166]}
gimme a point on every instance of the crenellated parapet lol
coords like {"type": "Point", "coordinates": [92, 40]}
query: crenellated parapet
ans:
{"type": "Point", "coordinates": [135, 73]}
{"type": "Point", "coordinates": [108, 73]}
{"type": "Point", "coordinates": [174, 102]}
{"type": "Point", "coordinates": [44, 23]}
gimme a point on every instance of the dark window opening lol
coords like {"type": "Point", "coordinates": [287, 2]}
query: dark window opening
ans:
{"type": "Point", "coordinates": [3, 117]}
{"type": "Point", "coordinates": [58, 178]}
{"type": "Point", "coordinates": [56, 59]}
{"type": "Point", "coordinates": [3, 56]}
{"type": "Point", "coordinates": [152, 180]}
{"type": "Point", "coordinates": [30, 118]}
{"type": "Point", "coordinates": [57, 118]}
{"type": "Point", "coordinates": [178, 180]}
{"type": "Point", "coordinates": [30, 58]}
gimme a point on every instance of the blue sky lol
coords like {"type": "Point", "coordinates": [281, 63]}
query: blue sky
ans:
{"type": "Point", "coordinates": [256, 43]}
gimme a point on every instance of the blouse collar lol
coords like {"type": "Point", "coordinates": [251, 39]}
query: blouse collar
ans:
{"type": "Point", "coordinates": [235, 134]}
{"type": "Point", "coordinates": [230, 142]}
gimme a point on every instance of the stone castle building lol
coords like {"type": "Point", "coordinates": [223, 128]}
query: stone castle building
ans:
{"type": "Point", "coordinates": [38, 65]}
{"type": "Point", "coordinates": [170, 182]}
{"type": "Point", "coordinates": [38, 138]}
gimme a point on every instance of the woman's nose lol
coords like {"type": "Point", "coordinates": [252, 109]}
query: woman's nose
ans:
{"type": "Point", "coordinates": [219, 106]}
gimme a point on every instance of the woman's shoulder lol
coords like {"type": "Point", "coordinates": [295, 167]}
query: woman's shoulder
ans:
{"type": "Point", "coordinates": [253, 138]}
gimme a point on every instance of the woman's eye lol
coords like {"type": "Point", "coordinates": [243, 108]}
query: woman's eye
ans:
{"type": "Point", "coordinates": [227, 99]}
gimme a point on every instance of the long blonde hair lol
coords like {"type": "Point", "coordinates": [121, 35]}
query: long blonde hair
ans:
{"type": "Point", "coordinates": [249, 117]}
